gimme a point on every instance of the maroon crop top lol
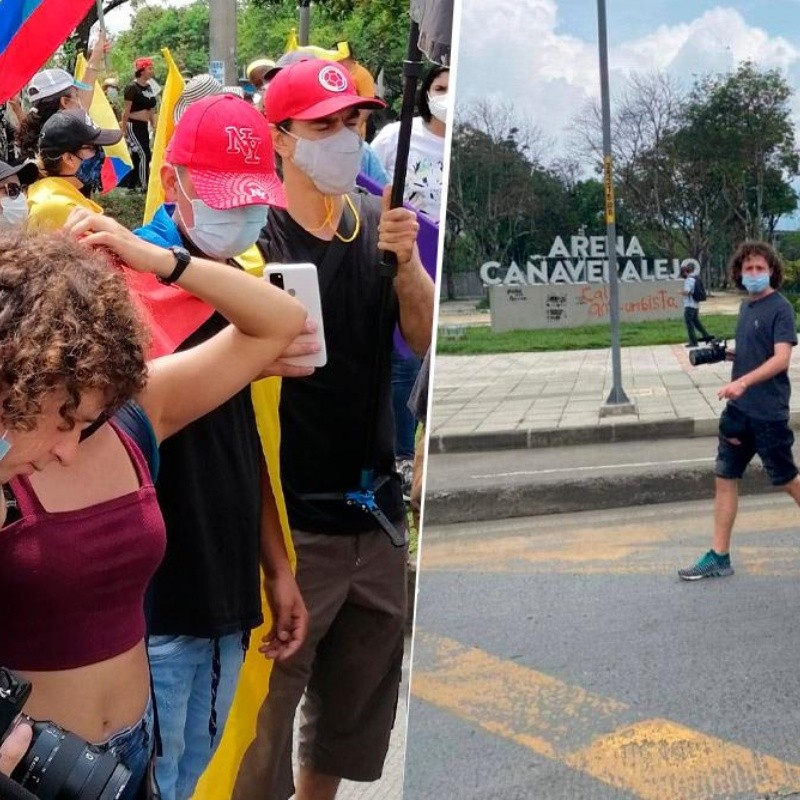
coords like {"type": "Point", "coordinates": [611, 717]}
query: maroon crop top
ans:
{"type": "Point", "coordinates": [72, 583]}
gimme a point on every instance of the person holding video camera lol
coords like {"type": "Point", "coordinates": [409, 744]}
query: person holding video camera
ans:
{"type": "Point", "coordinates": [756, 418]}
{"type": "Point", "coordinates": [81, 532]}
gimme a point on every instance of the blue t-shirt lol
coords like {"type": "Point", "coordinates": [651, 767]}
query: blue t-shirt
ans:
{"type": "Point", "coordinates": [762, 324]}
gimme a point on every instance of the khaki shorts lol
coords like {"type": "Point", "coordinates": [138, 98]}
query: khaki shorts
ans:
{"type": "Point", "coordinates": [350, 667]}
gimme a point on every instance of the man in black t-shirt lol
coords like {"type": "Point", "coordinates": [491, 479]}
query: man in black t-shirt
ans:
{"type": "Point", "coordinates": [352, 578]}
{"type": "Point", "coordinates": [756, 419]}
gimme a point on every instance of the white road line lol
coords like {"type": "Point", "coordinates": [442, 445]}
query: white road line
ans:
{"type": "Point", "coordinates": [591, 468]}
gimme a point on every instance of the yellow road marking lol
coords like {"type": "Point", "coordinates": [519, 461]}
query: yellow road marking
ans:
{"type": "Point", "coordinates": [630, 548]}
{"type": "Point", "coordinates": [599, 736]}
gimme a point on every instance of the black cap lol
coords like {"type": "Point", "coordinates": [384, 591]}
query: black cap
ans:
{"type": "Point", "coordinates": [66, 132]}
{"type": "Point", "coordinates": [27, 172]}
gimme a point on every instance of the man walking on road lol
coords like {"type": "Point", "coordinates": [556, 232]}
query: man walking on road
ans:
{"type": "Point", "coordinates": [756, 418]}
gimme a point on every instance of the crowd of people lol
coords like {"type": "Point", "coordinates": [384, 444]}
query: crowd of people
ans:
{"type": "Point", "coordinates": [155, 427]}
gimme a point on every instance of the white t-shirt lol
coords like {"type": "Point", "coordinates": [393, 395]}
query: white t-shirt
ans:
{"type": "Point", "coordinates": [425, 164]}
{"type": "Point", "coordinates": [688, 286]}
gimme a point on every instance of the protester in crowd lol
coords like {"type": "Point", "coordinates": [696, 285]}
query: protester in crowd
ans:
{"type": "Point", "coordinates": [53, 90]}
{"type": "Point", "coordinates": [11, 116]}
{"type": "Point", "coordinates": [71, 159]}
{"type": "Point", "coordinates": [352, 578]}
{"type": "Point", "coordinates": [257, 70]}
{"type": "Point", "coordinates": [362, 79]}
{"type": "Point", "coordinates": [218, 503]}
{"type": "Point", "coordinates": [84, 514]}
{"type": "Point", "coordinates": [423, 188]}
{"type": "Point", "coordinates": [691, 308]}
{"type": "Point", "coordinates": [138, 116]}
{"type": "Point", "coordinates": [111, 89]}
{"type": "Point", "coordinates": [756, 418]}
{"type": "Point", "coordinates": [196, 88]}
{"type": "Point", "coordinates": [13, 183]}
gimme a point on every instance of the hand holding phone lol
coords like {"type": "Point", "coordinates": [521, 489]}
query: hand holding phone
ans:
{"type": "Point", "coordinates": [301, 281]}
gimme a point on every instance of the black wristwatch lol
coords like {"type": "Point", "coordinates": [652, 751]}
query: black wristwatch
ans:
{"type": "Point", "coordinates": [182, 259]}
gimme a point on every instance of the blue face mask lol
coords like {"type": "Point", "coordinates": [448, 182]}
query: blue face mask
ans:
{"type": "Point", "coordinates": [89, 171]}
{"type": "Point", "coordinates": [5, 446]}
{"type": "Point", "coordinates": [755, 285]}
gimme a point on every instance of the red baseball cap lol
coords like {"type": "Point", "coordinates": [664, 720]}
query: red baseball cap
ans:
{"type": "Point", "coordinates": [313, 89]}
{"type": "Point", "coordinates": [143, 62]}
{"type": "Point", "coordinates": [227, 148]}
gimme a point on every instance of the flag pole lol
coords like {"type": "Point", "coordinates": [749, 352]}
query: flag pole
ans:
{"type": "Point", "coordinates": [101, 18]}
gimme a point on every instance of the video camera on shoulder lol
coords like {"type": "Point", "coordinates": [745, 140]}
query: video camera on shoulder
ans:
{"type": "Point", "coordinates": [58, 763]}
{"type": "Point", "coordinates": [713, 353]}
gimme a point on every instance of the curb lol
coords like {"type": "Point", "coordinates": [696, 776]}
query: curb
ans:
{"type": "Point", "coordinates": [606, 433]}
{"type": "Point", "coordinates": [495, 502]}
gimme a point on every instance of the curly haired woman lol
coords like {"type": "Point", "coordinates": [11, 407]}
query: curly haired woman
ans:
{"type": "Point", "coordinates": [80, 529]}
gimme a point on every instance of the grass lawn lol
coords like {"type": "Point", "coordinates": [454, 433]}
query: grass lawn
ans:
{"type": "Point", "coordinates": [481, 340]}
{"type": "Point", "coordinates": [125, 207]}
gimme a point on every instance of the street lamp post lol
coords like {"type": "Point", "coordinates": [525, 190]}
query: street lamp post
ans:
{"type": "Point", "coordinates": [305, 22]}
{"type": "Point", "coordinates": [617, 402]}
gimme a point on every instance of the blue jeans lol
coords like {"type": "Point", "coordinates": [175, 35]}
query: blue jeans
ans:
{"type": "Point", "coordinates": [133, 746]}
{"type": "Point", "coordinates": [404, 373]}
{"type": "Point", "coordinates": [181, 667]}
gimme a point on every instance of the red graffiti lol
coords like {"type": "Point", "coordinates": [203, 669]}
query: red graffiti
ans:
{"type": "Point", "coordinates": [597, 299]}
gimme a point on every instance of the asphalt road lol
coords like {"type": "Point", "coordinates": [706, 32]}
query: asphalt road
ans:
{"type": "Point", "coordinates": [560, 657]}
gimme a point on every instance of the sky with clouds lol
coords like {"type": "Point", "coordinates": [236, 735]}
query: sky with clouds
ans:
{"type": "Point", "coordinates": [542, 54]}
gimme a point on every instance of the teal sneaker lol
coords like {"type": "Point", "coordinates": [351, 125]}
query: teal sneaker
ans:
{"type": "Point", "coordinates": [711, 565]}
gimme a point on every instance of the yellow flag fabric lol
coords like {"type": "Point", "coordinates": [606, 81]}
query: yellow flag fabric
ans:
{"type": "Point", "coordinates": [220, 776]}
{"type": "Point", "coordinates": [103, 115]}
{"type": "Point", "coordinates": [173, 89]}
{"type": "Point", "coordinates": [336, 54]}
{"type": "Point", "coordinates": [292, 42]}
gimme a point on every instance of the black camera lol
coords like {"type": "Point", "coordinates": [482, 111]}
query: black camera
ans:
{"type": "Point", "coordinates": [58, 763]}
{"type": "Point", "coordinates": [715, 352]}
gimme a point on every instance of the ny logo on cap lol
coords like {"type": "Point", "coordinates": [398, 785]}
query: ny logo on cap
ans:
{"type": "Point", "coordinates": [241, 140]}
{"type": "Point", "coordinates": [333, 79]}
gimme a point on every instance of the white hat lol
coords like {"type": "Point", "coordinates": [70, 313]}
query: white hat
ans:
{"type": "Point", "coordinates": [50, 82]}
{"type": "Point", "coordinates": [197, 88]}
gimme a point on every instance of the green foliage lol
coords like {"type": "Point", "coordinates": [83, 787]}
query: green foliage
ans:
{"type": "Point", "coordinates": [124, 206]}
{"type": "Point", "coordinates": [481, 340]}
{"type": "Point", "coordinates": [376, 29]}
{"type": "Point", "coordinates": [185, 31]}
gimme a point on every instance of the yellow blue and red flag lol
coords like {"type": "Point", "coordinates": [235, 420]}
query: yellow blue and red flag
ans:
{"type": "Point", "coordinates": [118, 161]}
{"type": "Point", "coordinates": [30, 32]}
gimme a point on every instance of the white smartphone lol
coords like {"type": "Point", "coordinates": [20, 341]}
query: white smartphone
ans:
{"type": "Point", "coordinates": [302, 282]}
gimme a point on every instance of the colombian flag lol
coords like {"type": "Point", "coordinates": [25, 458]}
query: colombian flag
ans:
{"type": "Point", "coordinates": [30, 32]}
{"type": "Point", "coordinates": [173, 89]}
{"type": "Point", "coordinates": [118, 161]}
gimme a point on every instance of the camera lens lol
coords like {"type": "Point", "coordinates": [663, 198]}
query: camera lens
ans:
{"type": "Point", "coordinates": [276, 279]}
{"type": "Point", "coordinates": [61, 764]}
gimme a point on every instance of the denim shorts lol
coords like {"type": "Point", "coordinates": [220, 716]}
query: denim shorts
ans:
{"type": "Point", "coordinates": [133, 747]}
{"type": "Point", "coordinates": [772, 440]}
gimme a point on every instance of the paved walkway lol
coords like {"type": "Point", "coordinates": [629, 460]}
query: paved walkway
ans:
{"type": "Point", "coordinates": [488, 397]}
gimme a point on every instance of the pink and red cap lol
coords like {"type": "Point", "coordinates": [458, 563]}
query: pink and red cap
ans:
{"type": "Point", "coordinates": [227, 148]}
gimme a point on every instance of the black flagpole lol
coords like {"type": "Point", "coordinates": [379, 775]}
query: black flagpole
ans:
{"type": "Point", "coordinates": [412, 70]}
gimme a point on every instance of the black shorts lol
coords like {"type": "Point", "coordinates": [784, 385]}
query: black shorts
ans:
{"type": "Point", "coordinates": [772, 440]}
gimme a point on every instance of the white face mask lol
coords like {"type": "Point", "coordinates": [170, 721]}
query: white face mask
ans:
{"type": "Point", "coordinates": [439, 104]}
{"type": "Point", "coordinates": [13, 212]}
{"type": "Point", "coordinates": [332, 163]}
{"type": "Point", "coordinates": [223, 233]}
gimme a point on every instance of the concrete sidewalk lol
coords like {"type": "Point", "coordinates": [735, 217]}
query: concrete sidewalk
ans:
{"type": "Point", "coordinates": [514, 400]}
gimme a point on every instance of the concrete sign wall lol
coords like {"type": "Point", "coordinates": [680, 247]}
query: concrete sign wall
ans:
{"type": "Point", "coordinates": [532, 307]}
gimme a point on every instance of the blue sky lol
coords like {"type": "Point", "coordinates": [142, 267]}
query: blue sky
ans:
{"type": "Point", "coordinates": [541, 55]}
{"type": "Point", "coordinates": [578, 17]}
